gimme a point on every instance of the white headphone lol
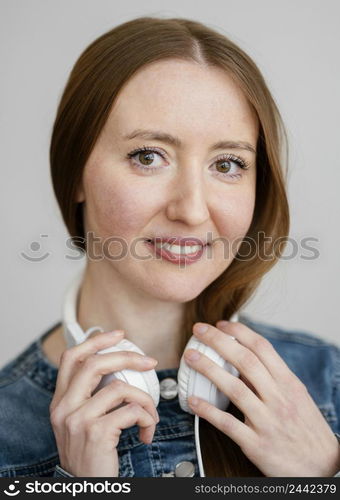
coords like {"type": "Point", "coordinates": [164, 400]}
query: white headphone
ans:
{"type": "Point", "coordinates": [190, 382]}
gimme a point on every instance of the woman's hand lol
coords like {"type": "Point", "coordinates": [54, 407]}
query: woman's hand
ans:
{"type": "Point", "coordinates": [87, 431]}
{"type": "Point", "coordinates": [284, 433]}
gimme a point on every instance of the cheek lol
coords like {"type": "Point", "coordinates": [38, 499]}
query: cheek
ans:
{"type": "Point", "coordinates": [117, 207]}
{"type": "Point", "coordinates": [234, 215]}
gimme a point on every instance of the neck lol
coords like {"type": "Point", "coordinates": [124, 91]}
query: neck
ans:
{"type": "Point", "coordinates": [106, 300]}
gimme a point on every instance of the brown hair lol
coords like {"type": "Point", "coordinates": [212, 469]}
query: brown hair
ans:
{"type": "Point", "coordinates": [96, 78]}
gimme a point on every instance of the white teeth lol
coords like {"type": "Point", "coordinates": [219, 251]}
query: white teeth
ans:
{"type": "Point", "coordinates": [179, 250]}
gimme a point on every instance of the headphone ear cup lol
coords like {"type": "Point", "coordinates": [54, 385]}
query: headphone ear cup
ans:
{"type": "Point", "coordinates": [184, 380]}
{"type": "Point", "coordinates": [146, 380]}
{"type": "Point", "coordinates": [191, 382]}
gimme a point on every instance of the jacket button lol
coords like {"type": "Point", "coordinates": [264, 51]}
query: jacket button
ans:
{"type": "Point", "coordinates": [168, 388]}
{"type": "Point", "coordinates": [185, 469]}
{"type": "Point", "coordinates": [182, 469]}
{"type": "Point", "coordinates": [168, 474]}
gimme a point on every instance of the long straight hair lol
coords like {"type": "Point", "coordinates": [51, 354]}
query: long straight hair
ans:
{"type": "Point", "coordinates": [94, 82]}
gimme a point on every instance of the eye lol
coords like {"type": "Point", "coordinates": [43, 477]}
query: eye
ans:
{"type": "Point", "coordinates": [229, 166]}
{"type": "Point", "coordinates": [145, 157]}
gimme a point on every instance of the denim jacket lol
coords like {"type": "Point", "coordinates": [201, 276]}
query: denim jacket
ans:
{"type": "Point", "coordinates": [27, 384]}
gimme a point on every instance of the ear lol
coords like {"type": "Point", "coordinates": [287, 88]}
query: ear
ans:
{"type": "Point", "coordinates": [80, 195]}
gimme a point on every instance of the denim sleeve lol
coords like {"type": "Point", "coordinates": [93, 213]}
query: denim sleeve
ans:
{"type": "Point", "coordinates": [337, 387]}
{"type": "Point", "coordinates": [338, 437]}
{"type": "Point", "coordinates": [60, 472]}
{"type": "Point", "coordinates": [337, 395]}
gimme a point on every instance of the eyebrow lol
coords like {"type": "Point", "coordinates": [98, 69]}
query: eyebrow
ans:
{"type": "Point", "coordinates": [156, 135]}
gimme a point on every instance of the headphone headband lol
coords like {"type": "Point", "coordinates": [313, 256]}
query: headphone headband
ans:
{"type": "Point", "coordinates": [73, 333]}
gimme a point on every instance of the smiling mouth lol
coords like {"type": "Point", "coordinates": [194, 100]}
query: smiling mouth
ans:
{"type": "Point", "coordinates": [179, 250]}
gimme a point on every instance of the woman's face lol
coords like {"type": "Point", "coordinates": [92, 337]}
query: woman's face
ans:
{"type": "Point", "coordinates": [184, 188]}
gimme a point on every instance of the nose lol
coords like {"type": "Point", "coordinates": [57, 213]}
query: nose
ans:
{"type": "Point", "coordinates": [188, 198]}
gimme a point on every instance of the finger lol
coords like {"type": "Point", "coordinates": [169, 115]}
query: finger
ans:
{"type": "Point", "coordinates": [260, 346]}
{"type": "Point", "coordinates": [240, 433]}
{"type": "Point", "coordinates": [95, 367]}
{"type": "Point", "coordinates": [236, 390]}
{"type": "Point", "coordinates": [247, 363]}
{"type": "Point", "coordinates": [112, 395]}
{"type": "Point", "coordinates": [125, 417]}
{"type": "Point", "coordinates": [73, 357]}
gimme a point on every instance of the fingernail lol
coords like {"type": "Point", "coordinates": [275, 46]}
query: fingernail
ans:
{"type": "Point", "coordinates": [193, 401]}
{"type": "Point", "coordinates": [192, 355]}
{"type": "Point", "coordinates": [149, 361]}
{"type": "Point", "coordinates": [115, 333]}
{"type": "Point", "coordinates": [201, 328]}
{"type": "Point", "coordinates": [150, 440]}
{"type": "Point", "coordinates": [223, 323]}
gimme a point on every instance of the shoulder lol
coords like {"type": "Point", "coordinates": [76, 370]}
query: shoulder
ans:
{"type": "Point", "coordinates": [27, 444]}
{"type": "Point", "coordinates": [296, 345]}
{"type": "Point", "coordinates": [314, 360]}
{"type": "Point", "coordinates": [290, 335]}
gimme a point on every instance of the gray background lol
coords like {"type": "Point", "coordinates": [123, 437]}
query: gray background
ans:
{"type": "Point", "coordinates": [295, 44]}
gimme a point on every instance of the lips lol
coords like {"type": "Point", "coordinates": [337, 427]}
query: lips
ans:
{"type": "Point", "coordinates": [174, 258]}
{"type": "Point", "coordinates": [174, 240]}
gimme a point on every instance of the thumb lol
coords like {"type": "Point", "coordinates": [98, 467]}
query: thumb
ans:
{"type": "Point", "coordinates": [94, 331]}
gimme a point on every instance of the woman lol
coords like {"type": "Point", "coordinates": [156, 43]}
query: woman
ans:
{"type": "Point", "coordinates": [166, 130]}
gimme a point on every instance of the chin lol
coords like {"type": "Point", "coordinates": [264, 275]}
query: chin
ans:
{"type": "Point", "coordinates": [173, 290]}
{"type": "Point", "coordinates": [180, 298]}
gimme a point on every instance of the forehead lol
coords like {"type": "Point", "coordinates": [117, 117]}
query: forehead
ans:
{"type": "Point", "coordinates": [184, 97]}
